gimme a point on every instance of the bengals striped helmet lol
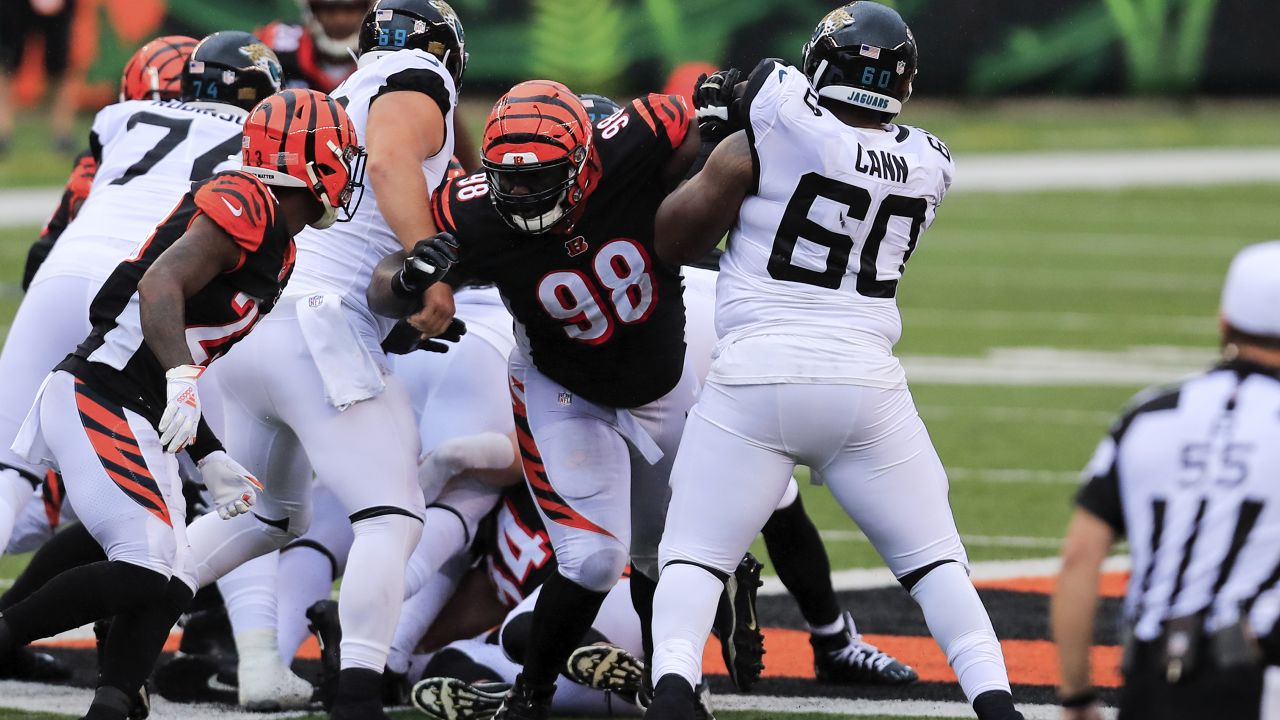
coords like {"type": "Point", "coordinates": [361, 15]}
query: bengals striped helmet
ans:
{"type": "Point", "coordinates": [155, 71]}
{"type": "Point", "coordinates": [304, 139]}
{"type": "Point", "coordinates": [538, 156]}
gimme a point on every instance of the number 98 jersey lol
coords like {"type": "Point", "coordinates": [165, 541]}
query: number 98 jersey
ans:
{"type": "Point", "coordinates": [807, 287]}
{"type": "Point", "coordinates": [595, 310]}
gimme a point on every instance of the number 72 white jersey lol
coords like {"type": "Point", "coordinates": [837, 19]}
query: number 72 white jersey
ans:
{"type": "Point", "coordinates": [149, 154]}
{"type": "Point", "coordinates": [807, 287]}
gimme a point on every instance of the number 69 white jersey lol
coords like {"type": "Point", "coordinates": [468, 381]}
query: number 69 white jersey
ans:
{"type": "Point", "coordinates": [807, 286]}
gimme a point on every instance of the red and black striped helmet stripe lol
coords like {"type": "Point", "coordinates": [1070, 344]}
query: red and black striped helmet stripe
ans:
{"type": "Point", "coordinates": [155, 70]}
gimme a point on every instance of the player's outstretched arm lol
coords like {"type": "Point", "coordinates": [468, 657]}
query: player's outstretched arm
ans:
{"type": "Point", "coordinates": [1075, 603]}
{"type": "Point", "coordinates": [694, 218]}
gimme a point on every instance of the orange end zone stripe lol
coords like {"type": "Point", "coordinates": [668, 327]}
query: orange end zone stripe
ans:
{"type": "Point", "coordinates": [1030, 662]}
{"type": "Point", "coordinates": [1112, 585]}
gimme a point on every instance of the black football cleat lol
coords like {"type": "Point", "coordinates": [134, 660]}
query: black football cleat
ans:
{"type": "Point", "coordinates": [140, 706]}
{"type": "Point", "coordinates": [27, 664]}
{"type": "Point", "coordinates": [526, 702]}
{"type": "Point", "coordinates": [324, 624]}
{"type": "Point", "coordinates": [673, 699]}
{"type": "Point", "coordinates": [701, 699]}
{"type": "Point", "coordinates": [741, 641]}
{"type": "Point", "coordinates": [846, 659]}
{"type": "Point", "coordinates": [366, 710]}
{"type": "Point", "coordinates": [606, 667]}
{"type": "Point", "coordinates": [453, 699]}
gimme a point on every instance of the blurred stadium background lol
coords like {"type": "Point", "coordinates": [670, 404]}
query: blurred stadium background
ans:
{"type": "Point", "coordinates": [1112, 156]}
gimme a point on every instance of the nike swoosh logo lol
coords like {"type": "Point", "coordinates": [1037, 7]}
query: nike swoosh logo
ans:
{"type": "Point", "coordinates": [237, 211]}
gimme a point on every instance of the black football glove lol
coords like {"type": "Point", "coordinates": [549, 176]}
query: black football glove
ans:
{"type": "Point", "coordinates": [715, 105]}
{"type": "Point", "coordinates": [427, 264]}
{"type": "Point", "coordinates": [404, 338]}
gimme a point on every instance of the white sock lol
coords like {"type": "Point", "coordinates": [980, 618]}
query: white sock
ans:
{"type": "Point", "coordinates": [249, 593]}
{"type": "Point", "coordinates": [832, 629]}
{"type": "Point", "coordinates": [960, 625]}
{"type": "Point", "coordinates": [373, 588]}
{"type": "Point", "coordinates": [305, 577]}
{"type": "Point", "coordinates": [423, 607]}
{"type": "Point", "coordinates": [483, 451]}
{"type": "Point", "coordinates": [443, 537]}
{"type": "Point", "coordinates": [15, 493]}
{"type": "Point", "coordinates": [684, 607]}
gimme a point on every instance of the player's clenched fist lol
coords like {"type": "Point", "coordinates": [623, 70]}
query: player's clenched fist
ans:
{"type": "Point", "coordinates": [715, 105]}
{"type": "Point", "coordinates": [427, 263]}
{"type": "Point", "coordinates": [181, 416]}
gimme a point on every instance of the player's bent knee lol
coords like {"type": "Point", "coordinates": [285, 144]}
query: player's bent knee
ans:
{"type": "Point", "coordinates": [717, 563]}
{"type": "Point", "coordinates": [913, 578]}
{"type": "Point", "coordinates": [599, 570]}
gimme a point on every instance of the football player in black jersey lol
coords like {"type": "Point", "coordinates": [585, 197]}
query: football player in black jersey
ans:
{"type": "Point", "coordinates": [113, 414]}
{"type": "Point", "coordinates": [561, 220]}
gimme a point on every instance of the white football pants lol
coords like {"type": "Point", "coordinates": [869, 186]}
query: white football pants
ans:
{"type": "Point", "coordinates": [602, 501]}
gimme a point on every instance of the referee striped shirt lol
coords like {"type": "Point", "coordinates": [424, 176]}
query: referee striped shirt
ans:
{"type": "Point", "coordinates": [1190, 474]}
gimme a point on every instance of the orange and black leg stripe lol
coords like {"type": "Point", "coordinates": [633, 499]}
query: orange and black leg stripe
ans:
{"type": "Point", "coordinates": [554, 506]}
{"type": "Point", "coordinates": [53, 493]}
{"type": "Point", "coordinates": [108, 431]}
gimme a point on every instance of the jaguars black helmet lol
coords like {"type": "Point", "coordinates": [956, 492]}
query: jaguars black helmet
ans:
{"type": "Point", "coordinates": [231, 67]}
{"type": "Point", "coordinates": [598, 107]}
{"type": "Point", "coordinates": [863, 54]}
{"type": "Point", "coordinates": [429, 25]}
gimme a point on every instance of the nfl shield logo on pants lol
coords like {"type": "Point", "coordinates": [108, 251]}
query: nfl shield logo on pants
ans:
{"type": "Point", "coordinates": [565, 398]}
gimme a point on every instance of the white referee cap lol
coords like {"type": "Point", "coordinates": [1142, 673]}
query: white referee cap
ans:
{"type": "Point", "coordinates": [1251, 295]}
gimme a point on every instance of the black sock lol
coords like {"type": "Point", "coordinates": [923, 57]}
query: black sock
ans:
{"type": "Point", "coordinates": [109, 704]}
{"type": "Point", "coordinates": [995, 705]}
{"type": "Point", "coordinates": [642, 590]}
{"type": "Point", "coordinates": [453, 663]}
{"type": "Point", "coordinates": [6, 638]}
{"type": "Point", "coordinates": [137, 637]}
{"type": "Point", "coordinates": [800, 559]}
{"type": "Point", "coordinates": [81, 595]}
{"type": "Point", "coordinates": [72, 547]}
{"type": "Point", "coordinates": [358, 685]}
{"type": "Point", "coordinates": [562, 615]}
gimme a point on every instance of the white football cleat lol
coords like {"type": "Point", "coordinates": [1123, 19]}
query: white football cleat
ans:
{"type": "Point", "coordinates": [266, 683]}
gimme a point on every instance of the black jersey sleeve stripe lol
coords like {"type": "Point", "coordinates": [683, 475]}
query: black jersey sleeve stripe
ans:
{"type": "Point", "coordinates": [420, 80]}
{"type": "Point", "coordinates": [1100, 496]}
{"type": "Point", "coordinates": [755, 82]}
{"type": "Point", "coordinates": [658, 127]}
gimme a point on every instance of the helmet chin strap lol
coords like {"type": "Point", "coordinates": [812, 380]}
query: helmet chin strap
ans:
{"type": "Point", "coordinates": [330, 214]}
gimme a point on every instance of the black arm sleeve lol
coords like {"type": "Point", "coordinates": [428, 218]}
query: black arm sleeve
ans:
{"type": "Point", "coordinates": [418, 80]}
{"type": "Point", "coordinates": [206, 442]}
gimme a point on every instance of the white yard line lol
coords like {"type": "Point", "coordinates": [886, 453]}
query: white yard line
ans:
{"type": "Point", "coordinates": [1014, 475]}
{"type": "Point", "coordinates": [1004, 541]}
{"type": "Point", "coordinates": [1052, 415]}
{"type": "Point", "coordinates": [872, 578]}
{"type": "Point", "coordinates": [858, 708]}
{"type": "Point", "coordinates": [1054, 366]}
{"type": "Point", "coordinates": [1115, 169]}
{"type": "Point", "coordinates": [34, 697]}
{"type": "Point", "coordinates": [997, 172]}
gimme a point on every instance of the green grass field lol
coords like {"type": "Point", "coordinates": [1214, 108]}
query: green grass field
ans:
{"type": "Point", "coordinates": [413, 715]}
{"type": "Point", "coordinates": [1102, 272]}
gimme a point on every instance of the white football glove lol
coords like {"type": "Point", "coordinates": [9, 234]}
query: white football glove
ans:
{"type": "Point", "coordinates": [181, 416]}
{"type": "Point", "coordinates": [233, 489]}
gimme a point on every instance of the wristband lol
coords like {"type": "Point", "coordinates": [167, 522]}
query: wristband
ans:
{"type": "Point", "coordinates": [1081, 699]}
{"type": "Point", "coordinates": [400, 288]}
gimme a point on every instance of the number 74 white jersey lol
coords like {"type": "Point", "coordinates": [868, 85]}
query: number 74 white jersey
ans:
{"type": "Point", "coordinates": [807, 287]}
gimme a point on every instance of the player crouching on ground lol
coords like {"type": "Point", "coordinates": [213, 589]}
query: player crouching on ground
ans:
{"type": "Point", "coordinates": [115, 412]}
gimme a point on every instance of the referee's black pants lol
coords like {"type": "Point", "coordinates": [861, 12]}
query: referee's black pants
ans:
{"type": "Point", "coordinates": [1208, 693]}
